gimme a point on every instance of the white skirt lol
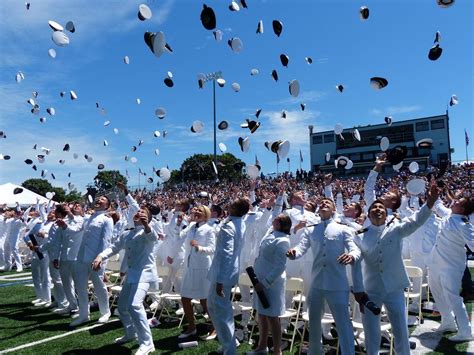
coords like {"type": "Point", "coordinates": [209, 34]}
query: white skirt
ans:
{"type": "Point", "coordinates": [195, 283]}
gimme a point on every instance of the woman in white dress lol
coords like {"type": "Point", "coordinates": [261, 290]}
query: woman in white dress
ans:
{"type": "Point", "coordinates": [270, 270]}
{"type": "Point", "coordinates": [200, 240]}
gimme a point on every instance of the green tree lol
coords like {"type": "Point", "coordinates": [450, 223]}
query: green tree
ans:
{"type": "Point", "coordinates": [106, 179]}
{"type": "Point", "coordinates": [199, 168]}
{"type": "Point", "coordinates": [39, 186]}
{"type": "Point", "coordinates": [73, 195]}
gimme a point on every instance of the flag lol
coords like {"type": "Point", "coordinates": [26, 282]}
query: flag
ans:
{"type": "Point", "coordinates": [256, 160]}
{"type": "Point", "coordinates": [301, 156]}
{"type": "Point", "coordinates": [466, 137]}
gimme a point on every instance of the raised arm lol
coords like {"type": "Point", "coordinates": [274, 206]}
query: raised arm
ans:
{"type": "Point", "coordinates": [369, 187]}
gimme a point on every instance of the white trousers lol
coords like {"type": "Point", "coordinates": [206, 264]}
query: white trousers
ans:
{"type": "Point", "coordinates": [220, 311]}
{"type": "Point", "coordinates": [395, 305]}
{"type": "Point", "coordinates": [82, 273]}
{"type": "Point", "coordinates": [2, 252]}
{"type": "Point", "coordinates": [338, 302]}
{"type": "Point", "coordinates": [58, 290]}
{"type": "Point", "coordinates": [173, 278]}
{"type": "Point", "coordinates": [66, 270]}
{"type": "Point", "coordinates": [40, 275]}
{"type": "Point", "coordinates": [418, 260]}
{"type": "Point", "coordinates": [132, 312]}
{"type": "Point", "coordinates": [445, 285]}
{"type": "Point", "coordinates": [11, 250]}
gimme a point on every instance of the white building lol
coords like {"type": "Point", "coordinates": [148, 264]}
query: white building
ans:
{"type": "Point", "coordinates": [363, 153]}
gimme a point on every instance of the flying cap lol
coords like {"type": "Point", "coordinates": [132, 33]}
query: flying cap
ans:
{"type": "Point", "coordinates": [55, 26]}
{"type": "Point", "coordinates": [217, 35]}
{"type": "Point", "coordinates": [254, 72]}
{"type": "Point", "coordinates": [236, 44]}
{"type": "Point", "coordinates": [164, 174]}
{"type": "Point", "coordinates": [28, 161]}
{"type": "Point", "coordinates": [168, 82]}
{"type": "Point", "coordinates": [303, 106]}
{"type": "Point", "coordinates": [341, 162]}
{"type": "Point", "coordinates": [416, 187]}
{"type": "Point", "coordinates": [253, 126]}
{"type": "Point", "coordinates": [220, 82]}
{"type": "Point", "coordinates": [208, 18]}
{"type": "Point", "coordinates": [197, 127]}
{"type": "Point", "coordinates": [70, 27]}
{"type": "Point", "coordinates": [435, 52]}
{"type": "Point", "coordinates": [413, 167]}
{"type": "Point", "coordinates": [283, 149]}
{"type": "Point", "coordinates": [126, 59]}
{"type": "Point", "coordinates": [388, 120]}
{"type": "Point", "coordinates": [51, 111]}
{"type": "Point", "coordinates": [235, 87]}
{"type": "Point", "coordinates": [52, 53]}
{"type": "Point", "coordinates": [340, 88]}
{"type": "Point", "coordinates": [453, 101]}
{"type": "Point", "coordinates": [426, 143]}
{"type": "Point", "coordinates": [274, 75]}
{"type": "Point", "coordinates": [364, 13]}
{"type": "Point", "coordinates": [277, 27]}
{"type": "Point", "coordinates": [309, 60]}
{"type": "Point", "coordinates": [252, 171]}
{"type": "Point", "coordinates": [156, 134]}
{"type": "Point", "coordinates": [378, 83]}
{"type": "Point", "coordinates": [66, 147]}
{"type": "Point", "coordinates": [338, 128]}
{"type": "Point", "coordinates": [437, 37]}
{"type": "Point", "coordinates": [4, 157]}
{"type": "Point", "coordinates": [144, 12]}
{"type": "Point", "coordinates": [157, 152]}
{"type": "Point", "coordinates": [100, 166]}
{"type": "Point", "coordinates": [234, 6]}
{"type": "Point", "coordinates": [259, 27]}
{"type": "Point", "coordinates": [445, 3]}
{"type": "Point", "coordinates": [19, 77]}
{"type": "Point", "coordinates": [384, 144]}
{"type": "Point", "coordinates": [60, 39]}
{"type": "Point", "coordinates": [396, 154]}
{"type": "Point", "coordinates": [349, 165]}
{"type": "Point", "coordinates": [160, 112]}
{"type": "Point", "coordinates": [327, 157]}
{"type": "Point", "coordinates": [17, 190]}
{"type": "Point", "coordinates": [244, 144]}
{"type": "Point", "coordinates": [356, 134]}
{"type": "Point", "coordinates": [294, 88]}
{"type": "Point", "coordinates": [284, 59]}
{"type": "Point", "coordinates": [222, 147]}
{"type": "Point", "coordinates": [223, 125]}
{"type": "Point", "coordinates": [73, 95]}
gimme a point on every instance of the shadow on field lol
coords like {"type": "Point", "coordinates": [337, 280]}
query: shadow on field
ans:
{"type": "Point", "coordinates": [106, 349]}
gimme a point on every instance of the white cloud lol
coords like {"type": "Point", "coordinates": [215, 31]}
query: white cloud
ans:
{"type": "Point", "coordinates": [305, 96]}
{"type": "Point", "coordinates": [395, 110]}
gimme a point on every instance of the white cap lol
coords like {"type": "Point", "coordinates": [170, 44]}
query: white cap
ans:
{"type": "Point", "coordinates": [416, 187]}
{"type": "Point", "coordinates": [60, 39]}
{"type": "Point", "coordinates": [384, 144]}
{"type": "Point", "coordinates": [413, 167]}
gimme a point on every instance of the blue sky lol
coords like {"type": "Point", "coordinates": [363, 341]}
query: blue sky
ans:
{"type": "Point", "coordinates": [393, 43]}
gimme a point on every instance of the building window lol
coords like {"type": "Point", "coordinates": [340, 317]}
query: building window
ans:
{"type": "Point", "coordinates": [422, 126]}
{"type": "Point", "coordinates": [437, 124]}
{"type": "Point", "coordinates": [317, 139]}
{"type": "Point", "coordinates": [328, 138]}
{"type": "Point", "coordinates": [368, 156]}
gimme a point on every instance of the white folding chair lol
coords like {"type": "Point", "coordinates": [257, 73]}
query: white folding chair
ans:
{"type": "Point", "coordinates": [293, 314]}
{"type": "Point", "coordinates": [414, 274]}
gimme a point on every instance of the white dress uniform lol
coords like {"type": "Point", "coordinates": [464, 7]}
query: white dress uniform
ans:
{"type": "Point", "coordinates": [197, 263]}
{"type": "Point", "coordinates": [447, 263]}
{"type": "Point", "coordinates": [3, 226]}
{"type": "Point", "coordinates": [328, 240]}
{"type": "Point", "coordinates": [11, 244]}
{"type": "Point", "coordinates": [384, 278]}
{"type": "Point", "coordinates": [39, 268]}
{"type": "Point", "coordinates": [225, 270]}
{"type": "Point", "coordinates": [69, 241]}
{"type": "Point", "coordinates": [96, 238]}
{"type": "Point", "coordinates": [270, 270]}
{"type": "Point", "coordinates": [52, 247]}
{"type": "Point", "coordinates": [173, 247]}
{"type": "Point", "coordinates": [140, 267]}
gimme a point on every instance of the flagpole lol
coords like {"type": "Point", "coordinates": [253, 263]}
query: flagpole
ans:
{"type": "Point", "coordinates": [466, 143]}
{"type": "Point", "coordinates": [277, 164]}
{"type": "Point", "coordinates": [139, 178]}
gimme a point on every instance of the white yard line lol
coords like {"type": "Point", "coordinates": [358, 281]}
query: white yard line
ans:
{"type": "Point", "coordinates": [59, 336]}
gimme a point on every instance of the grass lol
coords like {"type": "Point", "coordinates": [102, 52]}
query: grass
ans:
{"type": "Point", "coordinates": [22, 323]}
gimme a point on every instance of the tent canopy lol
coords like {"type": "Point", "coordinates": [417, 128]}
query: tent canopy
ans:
{"type": "Point", "coordinates": [25, 198]}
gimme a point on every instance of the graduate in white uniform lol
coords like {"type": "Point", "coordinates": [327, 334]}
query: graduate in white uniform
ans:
{"type": "Point", "coordinates": [333, 248]}
{"type": "Point", "coordinates": [224, 274]}
{"type": "Point", "coordinates": [199, 239]}
{"type": "Point", "coordinates": [39, 267]}
{"type": "Point", "coordinates": [270, 270]}
{"type": "Point", "coordinates": [11, 250]}
{"type": "Point", "coordinates": [141, 275]}
{"type": "Point", "coordinates": [382, 277]}
{"type": "Point", "coordinates": [3, 227]}
{"type": "Point", "coordinates": [96, 238]}
{"type": "Point", "coordinates": [447, 264]}
{"type": "Point", "coordinates": [70, 238]}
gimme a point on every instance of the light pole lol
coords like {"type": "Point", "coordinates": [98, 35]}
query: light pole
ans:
{"type": "Point", "coordinates": [213, 76]}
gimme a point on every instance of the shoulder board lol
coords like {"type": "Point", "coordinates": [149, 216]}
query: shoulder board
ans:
{"type": "Point", "coordinates": [129, 229]}
{"type": "Point", "coordinates": [216, 222]}
{"type": "Point", "coordinates": [341, 223]}
{"type": "Point", "coordinates": [363, 230]}
{"type": "Point", "coordinates": [466, 220]}
{"type": "Point", "coordinates": [311, 225]}
{"type": "Point", "coordinates": [392, 220]}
